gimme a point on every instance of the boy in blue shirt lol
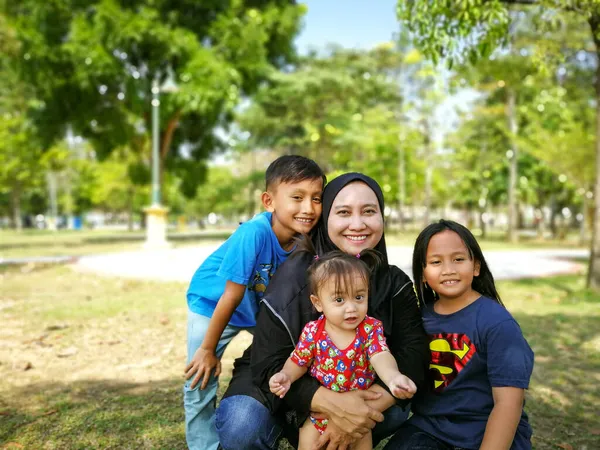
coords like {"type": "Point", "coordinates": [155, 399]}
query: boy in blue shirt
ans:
{"type": "Point", "coordinates": [224, 293]}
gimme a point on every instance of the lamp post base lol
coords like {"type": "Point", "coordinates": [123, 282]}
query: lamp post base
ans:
{"type": "Point", "coordinates": [156, 228]}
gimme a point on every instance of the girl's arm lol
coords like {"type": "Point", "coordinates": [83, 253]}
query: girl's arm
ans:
{"type": "Point", "coordinates": [504, 418]}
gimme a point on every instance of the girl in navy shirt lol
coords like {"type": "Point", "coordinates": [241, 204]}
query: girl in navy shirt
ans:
{"type": "Point", "coordinates": [480, 362]}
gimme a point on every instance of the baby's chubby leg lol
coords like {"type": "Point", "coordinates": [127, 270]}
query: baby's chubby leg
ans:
{"type": "Point", "coordinates": [308, 435]}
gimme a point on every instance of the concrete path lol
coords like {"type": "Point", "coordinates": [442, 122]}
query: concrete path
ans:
{"type": "Point", "coordinates": [180, 264]}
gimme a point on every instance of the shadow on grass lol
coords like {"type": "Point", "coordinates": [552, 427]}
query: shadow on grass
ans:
{"type": "Point", "coordinates": [94, 414]}
{"type": "Point", "coordinates": [563, 401]}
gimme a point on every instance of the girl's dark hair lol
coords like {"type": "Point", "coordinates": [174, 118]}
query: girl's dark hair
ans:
{"type": "Point", "coordinates": [482, 283]}
{"type": "Point", "coordinates": [338, 264]}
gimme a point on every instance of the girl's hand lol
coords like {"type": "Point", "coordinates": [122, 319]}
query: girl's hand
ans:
{"type": "Point", "coordinates": [279, 384]}
{"type": "Point", "coordinates": [402, 387]}
{"type": "Point", "coordinates": [202, 364]}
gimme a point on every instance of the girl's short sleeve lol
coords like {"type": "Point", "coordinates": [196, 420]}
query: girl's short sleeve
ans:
{"type": "Point", "coordinates": [509, 357]}
{"type": "Point", "coordinates": [375, 341]}
{"type": "Point", "coordinates": [304, 353]}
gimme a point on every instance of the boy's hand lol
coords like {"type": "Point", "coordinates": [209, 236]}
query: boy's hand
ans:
{"type": "Point", "coordinates": [402, 387]}
{"type": "Point", "coordinates": [280, 383]}
{"type": "Point", "coordinates": [202, 365]}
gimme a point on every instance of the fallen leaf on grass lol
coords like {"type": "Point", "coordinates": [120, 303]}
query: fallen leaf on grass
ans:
{"type": "Point", "coordinates": [595, 432]}
{"type": "Point", "coordinates": [24, 365]}
{"type": "Point", "coordinates": [565, 446]}
{"type": "Point", "coordinates": [12, 445]}
{"type": "Point", "coordinates": [56, 327]}
{"type": "Point", "coordinates": [67, 352]}
{"type": "Point", "coordinates": [49, 413]}
{"type": "Point", "coordinates": [4, 413]}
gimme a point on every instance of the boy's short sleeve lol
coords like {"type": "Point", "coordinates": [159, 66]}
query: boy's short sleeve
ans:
{"type": "Point", "coordinates": [509, 357]}
{"type": "Point", "coordinates": [375, 342]}
{"type": "Point", "coordinates": [304, 353]}
{"type": "Point", "coordinates": [243, 250]}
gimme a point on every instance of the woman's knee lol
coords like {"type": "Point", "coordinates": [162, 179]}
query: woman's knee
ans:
{"type": "Point", "coordinates": [243, 422]}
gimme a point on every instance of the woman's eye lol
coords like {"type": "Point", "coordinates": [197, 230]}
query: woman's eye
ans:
{"type": "Point", "coordinates": [433, 263]}
{"type": "Point", "coordinates": [370, 211]}
{"type": "Point", "coordinates": [343, 213]}
{"type": "Point", "coordinates": [297, 197]}
{"type": "Point", "coordinates": [459, 259]}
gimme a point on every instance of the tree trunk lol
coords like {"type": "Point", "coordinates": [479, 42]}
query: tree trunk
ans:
{"type": "Point", "coordinates": [130, 194]}
{"type": "Point", "coordinates": [401, 186]}
{"type": "Point", "coordinates": [512, 183]}
{"type": "Point", "coordinates": [165, 146]}
{"type": "Point", "coordinates": [593, 280]}
{"type": "Point", "coordinates": [428, 175]}
{"type": "Point", "coordinates": [15, 197]}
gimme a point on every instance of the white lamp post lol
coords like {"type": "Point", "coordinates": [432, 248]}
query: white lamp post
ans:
{"type": "Point", "coordinates": [156, 214]}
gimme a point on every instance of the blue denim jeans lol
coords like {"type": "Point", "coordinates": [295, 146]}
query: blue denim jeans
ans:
{"type": "Point", "coordinates": [200, 432]}
{"type": "Point", "coordinates": [244, 423]}
{"type": "Point", "coordinates": [410, 437]}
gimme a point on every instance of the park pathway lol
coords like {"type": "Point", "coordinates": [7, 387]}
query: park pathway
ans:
{"type": "Point", "coordinates": [179, 264]}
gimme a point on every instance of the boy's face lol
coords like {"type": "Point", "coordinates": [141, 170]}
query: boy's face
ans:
{"type": "Point", "coordinates": [296, 207]}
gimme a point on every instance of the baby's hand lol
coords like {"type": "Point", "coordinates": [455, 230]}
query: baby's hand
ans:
{"type": "Point", "coordinates": [280, 384]}
{"type": "Point", "coordinates": [402, 387]}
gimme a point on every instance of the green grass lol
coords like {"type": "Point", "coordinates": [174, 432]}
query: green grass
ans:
{"type": "Point", "coordinates": [108, 356]}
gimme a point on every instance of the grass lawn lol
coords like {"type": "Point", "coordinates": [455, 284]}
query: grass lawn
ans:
{"type": "Point", "coordinates": [93, 362]}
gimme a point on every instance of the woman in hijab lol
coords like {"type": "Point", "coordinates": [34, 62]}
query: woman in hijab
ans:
{"type": "Point", "coordinates": [249, 416]}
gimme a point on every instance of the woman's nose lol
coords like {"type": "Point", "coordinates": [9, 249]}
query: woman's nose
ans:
{"type": "Point", "coordinates": [356, 222]}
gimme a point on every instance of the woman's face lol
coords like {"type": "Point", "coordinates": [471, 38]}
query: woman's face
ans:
{"type": "Point", "coordinates": [355, 221]}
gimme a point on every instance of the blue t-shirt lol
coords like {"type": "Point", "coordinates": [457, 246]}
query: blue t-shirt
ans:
{"type": "Point", "coordinates": [250, 256]}
{"type": "Point", "coordinates": [477, 348]}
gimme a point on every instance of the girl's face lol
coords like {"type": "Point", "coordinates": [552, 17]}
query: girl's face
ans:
{"type": "Point", "coordinates": [345, 307]}
{"type": "Point", "coordinates": [449, 269]}
{"type": "Point", "coordinates": [355, 221]}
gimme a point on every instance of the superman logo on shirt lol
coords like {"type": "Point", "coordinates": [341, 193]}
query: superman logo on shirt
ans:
{"type": "Point", "coordinates": [450, 353]}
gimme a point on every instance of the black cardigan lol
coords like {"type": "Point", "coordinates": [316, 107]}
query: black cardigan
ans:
{"type": "Point", "coordinates": [282, 315]}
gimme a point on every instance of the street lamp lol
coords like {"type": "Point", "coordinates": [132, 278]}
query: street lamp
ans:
{"type": "Point", "coordinates": [156, 214]}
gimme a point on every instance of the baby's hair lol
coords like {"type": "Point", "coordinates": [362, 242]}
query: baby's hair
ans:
{"type": "Point", "coordinates": [482, 283]}
{"type": "Point", "coordinates": [342, 266]}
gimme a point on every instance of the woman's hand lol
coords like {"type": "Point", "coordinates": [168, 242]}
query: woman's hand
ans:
{"type": "Point", "coordinates": [202, 364]}
{"type": "Point", "coordinates": [348, 411]}
{"type": "Point", "coordinates": [334, 439]}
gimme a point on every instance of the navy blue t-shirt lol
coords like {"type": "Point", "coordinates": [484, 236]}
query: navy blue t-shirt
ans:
{"type": "Point", "coordinates": [472, 350]}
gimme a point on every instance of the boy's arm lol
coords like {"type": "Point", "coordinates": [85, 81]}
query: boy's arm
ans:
{"type": "Point", "coordinates": [504, 418]}
{"type": "Point", "coordinates": [205, 359]}
{"type": "Point", "coordinates": [387, 369]}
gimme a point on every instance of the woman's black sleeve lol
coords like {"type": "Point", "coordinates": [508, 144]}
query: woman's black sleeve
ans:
{"type": "Point", "coordinates": [271, 347]}
{"type": "Point", "coordinates": [409, 343]}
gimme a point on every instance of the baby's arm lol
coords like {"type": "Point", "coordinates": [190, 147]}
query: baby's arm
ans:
{"type": "Point", "coordinates": [504, 418]}
{"type": "Point", "coordinates": [387, 369]}
{"type": "Point", "coordinates": [280, 382]}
